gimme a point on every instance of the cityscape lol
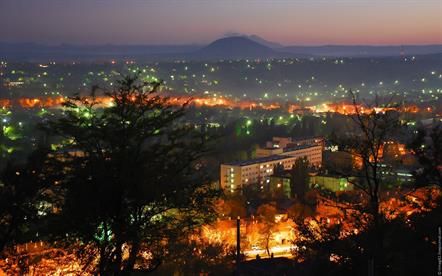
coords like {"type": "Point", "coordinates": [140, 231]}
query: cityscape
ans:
{"type": "Point", "coordinates": [152, 144]}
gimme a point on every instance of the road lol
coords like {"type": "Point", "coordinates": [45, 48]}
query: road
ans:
{"type": "Point", "coordinates": [278, 251]}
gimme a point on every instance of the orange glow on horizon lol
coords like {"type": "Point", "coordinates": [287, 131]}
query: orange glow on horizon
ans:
{"type": "Point", "coordinates": [340, 108]}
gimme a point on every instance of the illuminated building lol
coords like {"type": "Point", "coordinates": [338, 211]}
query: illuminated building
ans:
{"type": "Point", "coordinates": [395, 176]}
{"type": "Point", "coordinates": [313, 153]}
{"type": "Point", "coordinates": [279, 142]}
{"type": "Point", "coordinates": [284, 142]}
{"type": "Point", "coordinates": [332, 183]}
{"type": "Point", "coordinates": [310, 147]}
{"type": "Point", "coordinates": [268, 151]}
{"type": "Point", "coordinates": [258, 171]}
{"type": "Point", "coordinates": [235, 175]}
{"type": "Point", "coordinates": [313, 140]}
{"type": "Point", "coordinates": [13, 84]}
{"type": "Point", "coordinates": [280, 185]}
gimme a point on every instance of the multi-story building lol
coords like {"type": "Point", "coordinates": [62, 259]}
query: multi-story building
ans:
{"type": "Point", "coordinates": [332, 183]}
{"type": "Point", "coordinates": [311, 140]}
{"type": "Point", "coordinates": [279, 142]}
{"type": "Point", "coordinates": [281, 184]}
{"type": "Point", "coordinates": [235, 175]}
{"type": "Point", "coordinates": [268, 151]}
{"type": "Point", "coordinates": [284, 142]}
{"type": "Point", "coordinates": [313, 152]}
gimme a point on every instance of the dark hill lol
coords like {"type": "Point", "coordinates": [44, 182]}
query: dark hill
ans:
{"type": "Point", "coordinates": [238, 47]}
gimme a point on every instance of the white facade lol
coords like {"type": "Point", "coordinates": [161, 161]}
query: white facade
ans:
{"type": "Point", "coordinates": [235, 175]}
{"type": "Point", "coordinates": [312, 152]}
{"type": "Point", "coordinates": [258, 171]}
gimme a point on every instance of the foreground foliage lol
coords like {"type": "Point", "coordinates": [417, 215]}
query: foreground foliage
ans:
{"type": "Point", "coordinates": [132, 177]}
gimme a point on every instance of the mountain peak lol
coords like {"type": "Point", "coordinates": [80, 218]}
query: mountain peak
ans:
{"type": "Point", "coordinates": [265, 42]}
{"type": "Point", "coordinates": [236, 47]}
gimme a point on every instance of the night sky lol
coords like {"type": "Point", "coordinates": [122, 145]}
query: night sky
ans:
{"type": "Point", "coordinates": [303, 22]}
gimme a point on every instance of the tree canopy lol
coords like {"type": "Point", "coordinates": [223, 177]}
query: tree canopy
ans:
{"type": "Point", "coordinates": [133, 175]}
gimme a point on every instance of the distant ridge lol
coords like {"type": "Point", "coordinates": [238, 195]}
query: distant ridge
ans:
{"type": "Point", "coordinates": [41, 52]}
{"type": "Point", "coordinates": [364, 50]}
{"type": "Point", "coordinates": [232, 47]}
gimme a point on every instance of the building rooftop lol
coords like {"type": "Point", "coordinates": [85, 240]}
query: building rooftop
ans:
{"type": "Point", "coordinates": [270, 158]}
{"type": "Point", "coordinates": [300, 138]}
{"type": "Point", "coordinates": [300, 147]}
{"type": "Point", "coordinates": [270, 148]}
{"type": "Point", "coordinates": [259, 160]}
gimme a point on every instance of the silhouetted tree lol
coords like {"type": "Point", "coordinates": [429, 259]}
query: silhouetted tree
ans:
{"type": "Point", "coordinates": [266, 214]}
{"type": "Point", "coordinates": [300, 179]}
{"type": "Point", "coordinates": [194, 256]}
{"type": "Point", "coordinates": [299, 211]}
{"type": "Point", "coordinates": [278, 170]}
{"type": "Point", "coordinates": [22, 198]}
{"type": "Point", "coordinates": [405, 245]}
{"type": "Point", "coordinates": [132, 175]}
{"type": "Point", "coordinates": [233, 207]}
{"type": "Point", "coordinates": [364, 139]}
{"type": "Point", "coordinates": [427, 145]}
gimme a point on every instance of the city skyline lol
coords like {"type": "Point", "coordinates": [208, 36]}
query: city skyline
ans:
{"type": "Point", "coordinates": [317, 22]}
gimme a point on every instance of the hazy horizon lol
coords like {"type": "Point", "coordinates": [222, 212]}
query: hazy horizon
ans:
{"type": "Point", "coordinates": [206, 43]}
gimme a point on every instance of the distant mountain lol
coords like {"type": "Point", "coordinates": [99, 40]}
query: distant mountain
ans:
{"type": "Point", "coordinates": [363, 50]}
{"type": "Point", "coordinates": [233, 47]}
{"type": "Point", "coordinates": [237, 47]}
{"type": "Point", "coordinates": [264, 42]}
